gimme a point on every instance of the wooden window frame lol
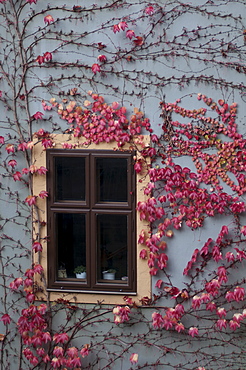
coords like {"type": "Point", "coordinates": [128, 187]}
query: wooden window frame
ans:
{"type": "Point", "coordinates": [40, 221]}
{"type": "Point", "coordinates": [91, 207]}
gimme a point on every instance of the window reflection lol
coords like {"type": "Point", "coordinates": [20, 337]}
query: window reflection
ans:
{"type": "Point", "coordinates": [71, 241]}
{"type": "Point", "coordinates": [111, 179]}
{"type": "Point", "coordinates": [112, 245]}
{"type": "Point", "coordinates": [70, 178]}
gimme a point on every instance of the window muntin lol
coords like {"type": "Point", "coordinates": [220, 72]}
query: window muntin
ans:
{"type": "Point", "coordinates": [97, 229]}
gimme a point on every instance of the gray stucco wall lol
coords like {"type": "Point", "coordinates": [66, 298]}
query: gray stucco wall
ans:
{"type": "Point", "coordinates": [187, 49]}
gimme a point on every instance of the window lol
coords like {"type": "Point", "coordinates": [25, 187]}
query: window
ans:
{"type": "Point", "coordinates": [91, 220]}
{"type": "Point", "coordinates": [56, 282]}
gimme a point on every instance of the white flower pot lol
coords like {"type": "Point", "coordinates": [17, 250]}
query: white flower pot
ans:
{"type": "Point", "coordinates": [108, 275]}
{"type": "Point", "coordinates": [82, 275]}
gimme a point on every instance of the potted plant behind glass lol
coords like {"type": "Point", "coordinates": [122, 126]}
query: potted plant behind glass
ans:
{"type": "Point", "coordinates": [109, 274]}
{"type": "Point", "coordinates": [80, 272]}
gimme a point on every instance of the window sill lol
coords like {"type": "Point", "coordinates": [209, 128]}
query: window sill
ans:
{"type": "Point", "coordinates": [61, 290]}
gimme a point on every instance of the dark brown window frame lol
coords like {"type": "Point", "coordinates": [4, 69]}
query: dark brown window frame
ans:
{"type": "Point", "coordinates": [90, 207]}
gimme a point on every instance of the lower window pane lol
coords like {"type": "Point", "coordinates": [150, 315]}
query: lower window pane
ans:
{"type": "Point", "coordinates": [71, 243]}
{"type": "Point", "coordinates": [112, 247]}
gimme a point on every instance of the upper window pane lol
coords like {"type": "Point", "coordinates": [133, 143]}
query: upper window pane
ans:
{"type": "Point", "coordinates": [69, 178]}
{"type": "Point", "coordinates": [111, 179]}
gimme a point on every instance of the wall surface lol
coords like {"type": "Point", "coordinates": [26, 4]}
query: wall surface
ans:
{"type": "Point", "coordinates": [142, 56]}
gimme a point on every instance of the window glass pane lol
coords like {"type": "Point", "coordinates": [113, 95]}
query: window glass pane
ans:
{"type": "Point", "coordinates": [69, 178]}
{"type": "Point", "coordinates": [112, 245]}
{"type": "Point", "coordinates": [111, 179]}
{"type": "Point", "coordinates": [71, 242]}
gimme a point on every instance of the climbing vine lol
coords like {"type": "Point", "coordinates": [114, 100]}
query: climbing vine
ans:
{"type": "Point", "coordinates": [106, 73]}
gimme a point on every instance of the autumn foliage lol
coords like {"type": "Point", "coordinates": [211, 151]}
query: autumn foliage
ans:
{"type": "Point", "coordinates": [194, 162]}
